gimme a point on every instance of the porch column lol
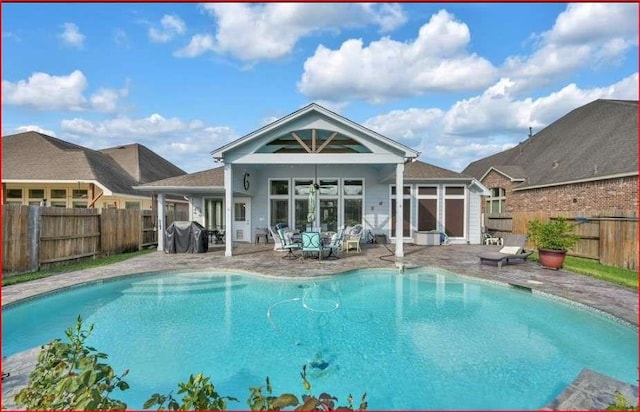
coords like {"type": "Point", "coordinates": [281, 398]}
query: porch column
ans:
{"type": "Point", "coordinates": [399, 213]}
{"type": "Point", "coordinates": [160, 226]}
{"type": "Point", "coordinates": [228, 200]}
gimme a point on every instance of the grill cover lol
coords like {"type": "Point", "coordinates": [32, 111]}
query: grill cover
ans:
{"type": "Point", "coordinates": [186, 237]}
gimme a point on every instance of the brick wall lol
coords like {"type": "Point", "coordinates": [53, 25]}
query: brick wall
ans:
{"type": "Point", "coordinates": [613, 194]}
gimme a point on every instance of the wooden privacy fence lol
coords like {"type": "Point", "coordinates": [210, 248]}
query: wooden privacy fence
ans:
{"type": "Point", "coordinates": [611, 237]}
{"type": "Point", "coordinates": [35, 237]}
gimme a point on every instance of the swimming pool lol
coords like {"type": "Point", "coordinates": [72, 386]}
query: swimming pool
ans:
{"type": "Point", "coordinates": [425, 339]}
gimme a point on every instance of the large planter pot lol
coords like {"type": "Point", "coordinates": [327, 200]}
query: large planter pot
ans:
{"type": "Point", "coordinates": [552, 258]}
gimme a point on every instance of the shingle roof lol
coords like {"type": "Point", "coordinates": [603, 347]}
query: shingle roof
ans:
{"type": "Point", "coordinates": [206, 178]}
{"type": "Point", "coordinates": [594, 141]}
{"type": "Point", "coordinates": [143, 164]}
{"type": "Point", "coordinates": [36, 156]}
{"type": "Point", "coordinates": [215, 177]}
{"type": "Point", "coordinates": [422, 170]}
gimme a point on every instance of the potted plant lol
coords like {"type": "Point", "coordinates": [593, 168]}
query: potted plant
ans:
{"type": "Point", "coordinates": [552, 239]}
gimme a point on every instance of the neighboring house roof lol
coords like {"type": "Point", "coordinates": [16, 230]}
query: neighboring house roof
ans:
{"type": "Point", "coordinates": [419, 170]}
{"type": "Point", "coordinates": [596, 141]}
{"type": "Point", "coordinates": [210, 181]}
{"type": "Point", "coordinates": [143, 164]}
{"type": "Point", "coordinates": [33, 156]}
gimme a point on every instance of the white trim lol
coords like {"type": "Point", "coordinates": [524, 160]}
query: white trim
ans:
{"type": "Point", "coordinates": [464, 196]}
{"type": "Point", "coordinates": [181, 189]}
{"type": "Point", "coordinates": [317, 158]}
{"type": "Point", "coordinates": [105, 190]}
{"type": "Point", "coordinates": [513, 179]}
{"type": "Point", "coordinates": [571, 182]}
{"type": "Point", "coordinates": [313, 107]}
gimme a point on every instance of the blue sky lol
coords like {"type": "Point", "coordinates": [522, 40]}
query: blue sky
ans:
{"type": "Point", "coordinates": [455, 81]}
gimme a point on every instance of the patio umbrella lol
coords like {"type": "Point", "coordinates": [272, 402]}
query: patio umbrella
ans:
{"type": "Point", "coordinates": [311, 216]}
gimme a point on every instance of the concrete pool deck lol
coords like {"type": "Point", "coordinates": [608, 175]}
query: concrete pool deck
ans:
{"type": "Point", "coordinates": [608, 298]}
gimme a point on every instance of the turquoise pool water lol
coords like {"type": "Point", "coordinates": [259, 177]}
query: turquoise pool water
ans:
{"type": "Point", "coordinates": [420, 340]}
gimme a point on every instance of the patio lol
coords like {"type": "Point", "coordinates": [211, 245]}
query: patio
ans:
{"type": "Point", "coordinates": [261, 258]}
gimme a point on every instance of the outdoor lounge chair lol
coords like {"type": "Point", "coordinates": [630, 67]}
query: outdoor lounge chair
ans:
{"type": "Point", "coordinates": [287, 244]}
{"type": "Point", "coordinates": [335, 245]}
{"type": "Point", "coordinates": [311, 243]}
{"type": "Point", "coordinates": [513, 250]}
{"type": "Point", "coordinates": [352, 237]}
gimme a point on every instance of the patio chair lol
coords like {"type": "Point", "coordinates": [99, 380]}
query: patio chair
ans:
{"type": "Point", "coordinates": [335, 245]}
{"type": "Point", "coordinates": [287, 244]}
{"type": "Point", "coordinates": [311, 243]}
{"type": "Point", "coordinates": [276, 239]}
{"type": "Point", "coordinates": [513, 249]}
{"type": "Point", "coordinates": [352, 238]}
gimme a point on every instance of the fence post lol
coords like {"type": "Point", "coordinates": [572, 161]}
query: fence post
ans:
{"type": "Point", "coordinates": [33, 230]}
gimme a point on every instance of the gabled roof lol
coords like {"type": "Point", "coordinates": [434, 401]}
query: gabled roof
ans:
{"type": "Point", "coordinates": [514, 173]}
{"type": "Point", "coordinates": [37, 157]}
{"type": "Point", "coordinates": [596, 141]}
{"type": "Point", "coordinates": [142, 164]}
{"type": "Point", "coordinates": [271, 131]}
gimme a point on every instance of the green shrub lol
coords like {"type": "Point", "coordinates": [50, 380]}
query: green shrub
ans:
{"type": "Point", "coordinates": [71, 376]}
{"type": "Point", "coordinates": [555, 234]}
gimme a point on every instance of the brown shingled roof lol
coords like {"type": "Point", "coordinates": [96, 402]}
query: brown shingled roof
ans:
{"type": "Point", "coordinates": [143, 164]}
{"type": "Point", "coordinates": [206, 178]}
{"type": "Point", "coordinates": [597, 140]}
{"type": "Point", "coordinates": [36, 156]}
{"type": "Point", "coordinates": [420, 170]}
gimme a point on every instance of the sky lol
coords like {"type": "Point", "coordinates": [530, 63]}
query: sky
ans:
{"type": "Point", "coordinates": [457, 82]}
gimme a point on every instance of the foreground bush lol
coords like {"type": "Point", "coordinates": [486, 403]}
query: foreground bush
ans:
{"type": "Point", "coordinates": [73, 376]}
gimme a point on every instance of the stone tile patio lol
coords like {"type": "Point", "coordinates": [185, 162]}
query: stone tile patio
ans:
{"type": "Point", "coordinates": [614, 300]}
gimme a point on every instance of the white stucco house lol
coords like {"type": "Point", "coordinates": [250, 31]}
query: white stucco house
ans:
{"type": "Point", "coordinates": [266, 177]}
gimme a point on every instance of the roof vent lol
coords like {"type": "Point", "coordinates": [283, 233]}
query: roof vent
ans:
{"type": "Point", "coordinates": [555, 164]}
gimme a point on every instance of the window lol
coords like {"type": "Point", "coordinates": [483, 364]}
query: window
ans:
{"type": "Point", "coordinates": [58, 193]}
{"type": "Point", "coordinates": [36, 193]}
{"type": "Point", "coordinates": [301, 203]}
{"type": "Point", "coordinates": [406, 211]}
{"type": "Point", "coordinates": [427, 207]}
{"type": "Point", "coordinates": [132, 205]}
{"type": "Point", "coordinates": [80, 194]}
{"type": "Point", "coordinates": [454, 211]}
{"type": "Point", "coordinates": [328, 205]}
{"type": "Point", "coordinates": [278, 201]}
{"type": "Point", "coordinates": [353, 193]}
{"type": "Point", "coordinates": [496, 202]}
{"type": "Point", "coordinates": [239, 212]}
{"type": "Point", "coordinates": [14, 197]}
{"type": "Point", "coordinates": [14, 194]}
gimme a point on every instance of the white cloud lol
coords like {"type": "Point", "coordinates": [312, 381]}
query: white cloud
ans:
{"type": "Point", "coordinates": [489, 123]}
{"type": "Point", "coordinates": [199, 44]}
{"type": "Point", "coordinates": [437, 60]}
{"type": "Point", "coordinates": [253, 32]}
{"type": "Point", "coordinates": [186, 143]}
{"type": "Point", "coordinates": [46, 92]}
{"type": "Point", "coordinates": [71, 36]}
{"type": "Point", "coordinates": [43, 91]}
{"type": "Point", "coordinates": [171, 26]}
{"type": "Point", "coordinates": [34, 128]}
{"type": "Point", "coordinates": [584, 35]}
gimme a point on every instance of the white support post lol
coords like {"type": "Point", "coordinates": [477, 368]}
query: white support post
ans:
{"type": "Point", "coordinates": [228, 200]}
{"type": "Point", "coordinates": [399, 213]}
{"type": "Point", "coordinates": [161, 222]}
